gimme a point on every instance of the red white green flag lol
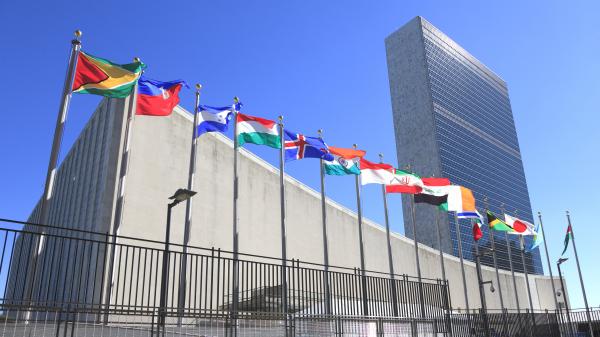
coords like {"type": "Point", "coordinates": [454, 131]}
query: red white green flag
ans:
{"type": "Point", "coordinates": [405, 182]}
{"type": "Point", "coordinates": [568, 238]}
{"type": "Point", "coordinates": [256, 130]}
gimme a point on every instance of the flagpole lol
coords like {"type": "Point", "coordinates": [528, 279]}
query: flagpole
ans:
{"type": "Point", "coordinates": [60, 126]}
{"type": "Point", "coordinates": [510, 261]}
{"type": "Point", "coordinates": [418, 263]}
{"type": "Point", "coordinates": [188, 206]}
{"type": "Point", "coordinates": [362, 249]}
{"type": "Point", "coordinates": [235, 231]}
{"type": "Point", "coordinates": [548, 260]}
{"type": "Point", "coordinates": [587, 307]}
{"type": "Point", "coordinates": [389, 247]}
{"type": "Point", "coordinates": [325, 239]}
{"type": "Point", "coordinates": [125, 155]}
{"type": "Point", "coordinates": [439, 240]}
{"type": "Point", "coordinates": [462, 262]}
{"type": "Point", "coordinates": [55, 150]}
{"type": "Point", "coordinates": [522, 242]}
{"type": "Point", "coordinates": [493, 244]}
{"type": "Point", "coordinates": [283, 226]}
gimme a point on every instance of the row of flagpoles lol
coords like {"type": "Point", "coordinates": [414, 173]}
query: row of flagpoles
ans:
{"type": "Point", "coordinates": [93, 75]}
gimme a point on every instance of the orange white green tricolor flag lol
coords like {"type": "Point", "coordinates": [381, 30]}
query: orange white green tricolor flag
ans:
{"type": "Point", "coordinates": [460, 199]}
{"type": "Point", "coordinates": [345, 161]}
{"type": "Point", "coordinates": [97, 76]}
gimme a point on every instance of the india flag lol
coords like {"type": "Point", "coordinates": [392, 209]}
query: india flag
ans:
{"type": "Point", "coordinates": [256, 130]}
{"type": "Point", "coordinates": [345, 161]}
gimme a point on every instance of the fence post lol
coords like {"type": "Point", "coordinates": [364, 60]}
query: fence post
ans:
{"type": "Point", "coordinates": [379, 327]}
{"type": "Point", "coordinates": [413, 327]}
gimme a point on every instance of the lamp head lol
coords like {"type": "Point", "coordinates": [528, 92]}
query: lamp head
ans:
{"type": "Point", "coordinates": [182, 194]}
{"type": "Point", "coordinates": [561, 260]}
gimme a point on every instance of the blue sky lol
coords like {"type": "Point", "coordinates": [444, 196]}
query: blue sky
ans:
{"type": "Point", "coordinates": [322, 65]}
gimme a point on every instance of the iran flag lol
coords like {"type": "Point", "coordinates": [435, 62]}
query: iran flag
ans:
{"type": "Point", "coordinates": [520, 227]}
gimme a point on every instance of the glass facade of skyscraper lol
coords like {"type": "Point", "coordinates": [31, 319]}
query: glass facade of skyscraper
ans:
{"type": "Point", "coordinates": [477, 143]}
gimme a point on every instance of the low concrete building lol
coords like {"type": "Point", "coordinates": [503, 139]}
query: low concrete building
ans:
{"type": "Point", "coordinates": [86, 194]}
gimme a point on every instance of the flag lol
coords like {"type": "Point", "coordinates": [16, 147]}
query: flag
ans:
{"type": "Point", "coordinates": [345, 161]}
{"type": "Point", "coordinates": [460, 199]}
{"type": "Point", "coordinates": [519, 226]}
{"type": "Point", "coordinates": [298, 146]}
{"type": "Point", "coordinates": [435, 192]}
{"type": "Point", "coordinates": [568, 237]}
{"type": "Point", "coordinates": [97, 76]}
{"type": "Point", "coordinates": [477, 233]}
{"type": "Point", "coordinates": [497, 224]}
{"type": "Point", "coordinates": [405, 182]}
{"type": "Point", "coordinates": [256, 130]}
{"type": "Point", "coordinates": [478, 221]}
{"type": "Point", "coordinates": [372, 173]}
{"type": "Point", "coordinates": [156, 98]}
{"type": "Point", "coordinates": [213, 119]}
{"type": "Point", "coordinates": [537, 239]}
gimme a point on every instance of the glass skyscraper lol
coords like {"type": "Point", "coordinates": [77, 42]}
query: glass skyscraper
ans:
{"type": "Point", "coordinates": [452, 118]}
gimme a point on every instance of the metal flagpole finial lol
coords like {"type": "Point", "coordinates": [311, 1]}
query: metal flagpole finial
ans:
{"type": "Point", "coordinates": [320, 132]}
{"type": "Point", "coordinates": [236, 99]}
{"type": "Point", "coordinates": [485, 198]}
{"type": "Point", "coordinates": [567, 213]}
{"type": "Point", "coordinates": [137, 59]}
{"type": "Point", "coordinates": [198, 86]}
{"type": "Point", "coordinates": [77, 39]}
{"type": "Point", "coordinates": [354, 146]}
{"type": "Point", "coordinates": [381, 157]}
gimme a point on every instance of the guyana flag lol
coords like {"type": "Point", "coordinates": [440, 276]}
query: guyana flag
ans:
{"type": "Point", "coordinates": [497, 224]}
{"type": "Point", "coordinates": [97, 76]}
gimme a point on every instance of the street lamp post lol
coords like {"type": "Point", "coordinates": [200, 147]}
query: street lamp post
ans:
{"type": "Point", "coordinates": [562, 286]}
{"type": "Point", "coordinates": [179, 196]}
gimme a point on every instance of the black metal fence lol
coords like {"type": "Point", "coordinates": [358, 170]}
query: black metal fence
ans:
{"type": "Point", "coordinates": [57, 267]}
{"type": "Point", "coordinates": [68, 282]}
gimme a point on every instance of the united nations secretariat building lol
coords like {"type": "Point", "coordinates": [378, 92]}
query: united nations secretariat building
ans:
{"type": "Point", "coordinates": [85, 261]}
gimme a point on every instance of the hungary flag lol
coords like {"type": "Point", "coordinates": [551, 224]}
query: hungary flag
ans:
{"type": "Point", "coordinates": [345, 161]}
{"type": "Point", "coordinates": [256, 130]}
{"type": "Point", "coordinates": [97, 76]}
{"type": "Point", "coordinates": [568, 237]}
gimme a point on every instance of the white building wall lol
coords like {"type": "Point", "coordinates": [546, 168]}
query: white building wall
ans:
{"type": "Point", "coordinates": [159, 165]}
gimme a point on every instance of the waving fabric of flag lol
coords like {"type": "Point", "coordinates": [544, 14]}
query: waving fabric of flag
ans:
{"type": "Point", "coordinates": [298, 146]}
{"type": "Point", "coordinates": [213, 119]}
{"type": "Point", "coordinates": [346, 161]}
{"type": "Point", "coordinates": [156, 98]}
{"type": "Point", "coordinates": [98, 76]}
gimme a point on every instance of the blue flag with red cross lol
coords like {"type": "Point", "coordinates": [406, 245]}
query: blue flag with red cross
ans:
{"type": "Point", "coordinates": [298, 146]}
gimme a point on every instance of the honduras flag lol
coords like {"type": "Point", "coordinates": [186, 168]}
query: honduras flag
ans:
{"type": "Point", "coordinates": [298, 146]}
{"type": "Point", "coordinates": [213, 119]}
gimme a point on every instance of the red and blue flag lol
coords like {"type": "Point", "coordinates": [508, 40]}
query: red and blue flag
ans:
{"type": "Point", "coordinates": [298, 146]}
{"type": "Point", "coordinates": [157, 98]}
